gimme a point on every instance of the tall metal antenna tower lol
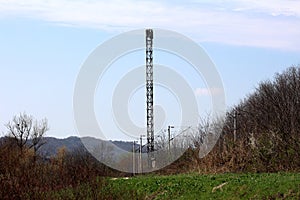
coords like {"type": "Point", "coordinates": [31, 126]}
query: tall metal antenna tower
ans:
{"type": "Point", "coordinates": [149, 93]}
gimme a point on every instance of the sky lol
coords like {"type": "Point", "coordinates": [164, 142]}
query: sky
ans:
{"type": "Point", "coordinates": [43, 45]}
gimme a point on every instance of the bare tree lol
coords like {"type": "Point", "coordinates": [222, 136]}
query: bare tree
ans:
{"type": "Point", "coordinates": [22, 129]}
{"type": "Point", "coordinates": [39, 130]}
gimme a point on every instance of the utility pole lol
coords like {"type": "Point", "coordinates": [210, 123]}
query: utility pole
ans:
{"type": "Point", "coordinates": [141, 149]}
{"type": "Point", "coordinates": [133, 158]}
{"type": "Point", "coordinates": [149, 98]}
{"type": "Point", "coordinates": [169, 141]}
{"type": "Point", "coordinates": [234, 125]}
{"type": "Point", "coordinates": [169, 137]}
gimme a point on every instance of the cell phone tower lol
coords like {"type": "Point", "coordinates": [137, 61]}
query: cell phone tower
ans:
{"type": "Point", "coordinates": [149, 96]}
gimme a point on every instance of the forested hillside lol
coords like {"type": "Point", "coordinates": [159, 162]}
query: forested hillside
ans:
{"type": "Point", "coordinates": [260, 134]}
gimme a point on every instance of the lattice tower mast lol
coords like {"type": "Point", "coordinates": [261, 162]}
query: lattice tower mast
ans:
{"type": "Point", "coordinates": [149, 90]}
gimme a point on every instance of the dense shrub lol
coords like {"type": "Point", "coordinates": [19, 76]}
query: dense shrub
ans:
{"type": "Point", "coordinates": [25, 176]}
{"type": "Point", "coordinates": [267, 130]}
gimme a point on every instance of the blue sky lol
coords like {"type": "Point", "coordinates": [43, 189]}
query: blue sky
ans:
{"type": "Point", "coordinates": [44, 43]}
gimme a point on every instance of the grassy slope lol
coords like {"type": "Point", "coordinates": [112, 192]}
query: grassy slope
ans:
{"type": "Point", "coordinates": [192, 186]}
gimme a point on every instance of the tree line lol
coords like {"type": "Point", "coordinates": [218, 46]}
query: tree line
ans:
{"type": "Point", "coordinates": [260, 134]}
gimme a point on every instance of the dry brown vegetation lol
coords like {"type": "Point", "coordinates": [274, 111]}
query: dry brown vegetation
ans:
{"type": "Point", "coordinates": [25, 176]}
{"type": "Point", "coordinates": [267, 140]}
{"type": "Point", "coordinates": [267, 132]}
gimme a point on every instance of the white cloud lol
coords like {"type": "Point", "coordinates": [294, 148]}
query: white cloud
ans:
{"type": "Point", "coordinates": [208, 91]}
{"type": "Point", "coordinates": [271, 7]}
{"type": "Point", "coordinates": [271, 24]}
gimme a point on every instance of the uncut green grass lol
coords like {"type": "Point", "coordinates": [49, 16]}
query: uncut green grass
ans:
{"type": "Point", "coordinates": [191, 186]}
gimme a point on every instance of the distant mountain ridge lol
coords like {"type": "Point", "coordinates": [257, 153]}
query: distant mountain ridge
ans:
{"type": "Point", "coordinates": [74, 143]}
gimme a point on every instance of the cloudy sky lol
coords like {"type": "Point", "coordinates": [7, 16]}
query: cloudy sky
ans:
{"type": "Point", "coordinates": [44, 43]}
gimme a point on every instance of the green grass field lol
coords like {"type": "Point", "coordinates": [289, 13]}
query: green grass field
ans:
{"type": "Point", "coordinates": [189, 186]}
